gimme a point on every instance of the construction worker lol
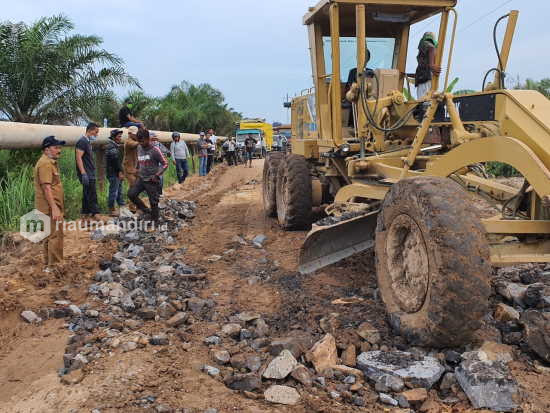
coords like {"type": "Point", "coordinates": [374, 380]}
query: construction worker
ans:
{"type": "Point", "coordinates": [48, 197]}
{"type": "Point", "coordinates": [151, 166]}
{"type": "Point", "coordinates": [427, 49]}
{"type": "Point", "coordinates": [114, 170]}
{"type": "Point", "coordinates": [86, 171]}
{"type": "Point", "coordinates": [129, 164]}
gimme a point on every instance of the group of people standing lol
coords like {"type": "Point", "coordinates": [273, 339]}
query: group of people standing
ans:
{"type": "Point", "coordinates": [234, 154]}
{"type": "Point", "coordinates": [141, 160]}
{"type": "Point", "coordinates": [207, 151]}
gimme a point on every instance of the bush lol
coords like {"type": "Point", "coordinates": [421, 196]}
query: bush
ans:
{"type": "Point", "coordinates": [501, 169]}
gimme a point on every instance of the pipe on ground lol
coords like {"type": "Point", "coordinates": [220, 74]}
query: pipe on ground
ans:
{"type": "Point", "coordinates": [15, 135]}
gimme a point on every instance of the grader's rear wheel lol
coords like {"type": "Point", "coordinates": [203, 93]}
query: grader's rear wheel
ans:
{"type": "Point", "coordinates": [432, 262]}
{"type": "Point", "coordinates": [294, 197]}
{"type": "Point", "coordinates": [269, 184]}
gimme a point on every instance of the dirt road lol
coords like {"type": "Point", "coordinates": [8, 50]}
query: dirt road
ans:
{"type": "Point", "coordinates": [240, 277]}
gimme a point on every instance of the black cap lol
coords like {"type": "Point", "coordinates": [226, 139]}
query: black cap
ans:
{"type": "Point", "coordinates": [175, 135]}
{"type": "Point", "coordinates": [51, 141]}
{"type": "Point", "coordinates": [115, 132]}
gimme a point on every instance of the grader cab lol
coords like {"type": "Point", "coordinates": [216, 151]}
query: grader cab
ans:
{"type": "Point", "coordinates": [401, 175]}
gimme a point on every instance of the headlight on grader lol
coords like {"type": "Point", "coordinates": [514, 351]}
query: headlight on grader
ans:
{"type": "Point", "coordinates": [345, 149]}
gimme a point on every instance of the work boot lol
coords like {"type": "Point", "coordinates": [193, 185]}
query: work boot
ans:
{"type": "Point", "coordinates": [113, 212]}
{"type": "Point", "coordinates": [155, 213]}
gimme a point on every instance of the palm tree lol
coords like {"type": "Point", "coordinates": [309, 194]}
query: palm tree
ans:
{"type": "Point", "coordinates": [187, 108]}
{"type": "Point", "coordinates": [49, 76]}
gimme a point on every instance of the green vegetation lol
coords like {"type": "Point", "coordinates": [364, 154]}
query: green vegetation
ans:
{"type": "Point", "coordinates": [49, 76]}
{"type": "Point", "coordinates": [501, 169]}
{"type": "Point", "coordinates": [17, 189]}
{"type": "Point", "coordinates": [542, 86]}
{"type": "Point", "coordinates": [186, 107]}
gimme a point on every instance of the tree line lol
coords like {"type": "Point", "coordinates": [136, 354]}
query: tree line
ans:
{"type": "Point", "coordinates": [50, 76]}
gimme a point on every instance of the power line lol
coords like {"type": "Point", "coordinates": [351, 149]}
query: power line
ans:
{"type": "Point", "coordinates": [485, 15]}
{"type": "Point", "coordinates": [420, 31]}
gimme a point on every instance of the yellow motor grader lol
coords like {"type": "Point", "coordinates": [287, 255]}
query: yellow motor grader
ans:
{"type": "Point", "coordinates": [396, 174]}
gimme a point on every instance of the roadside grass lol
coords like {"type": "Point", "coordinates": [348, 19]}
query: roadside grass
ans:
{"type": "Point", "coordinates": [17, 188]}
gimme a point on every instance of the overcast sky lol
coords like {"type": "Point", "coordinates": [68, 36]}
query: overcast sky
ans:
{"type": "Point", "coordinates": [256, 52]}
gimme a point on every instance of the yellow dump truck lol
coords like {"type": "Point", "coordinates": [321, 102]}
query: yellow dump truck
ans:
{"type": "Point", "coordinates": [261, 131]}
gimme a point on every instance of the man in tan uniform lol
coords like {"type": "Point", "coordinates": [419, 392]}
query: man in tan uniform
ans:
{"type": "Point", "coordinates": [48, 197]}
{"type": "Point", "coordinates": [129, 164]}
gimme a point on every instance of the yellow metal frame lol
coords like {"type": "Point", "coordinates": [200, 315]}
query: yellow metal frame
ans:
{"type": "Point", "coordinates": [519, 135]}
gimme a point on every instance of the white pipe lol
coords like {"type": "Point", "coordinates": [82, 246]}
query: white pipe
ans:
{"type": "Point", "coordinates": [15, 135]}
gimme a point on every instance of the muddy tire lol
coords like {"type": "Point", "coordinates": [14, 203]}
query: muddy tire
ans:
{"type": "Point", "coordinates": [294, 196]}
{"type": "Point", "coordinates": [432, 262]}
{"type": "Point", "coordinates": [269, 183]}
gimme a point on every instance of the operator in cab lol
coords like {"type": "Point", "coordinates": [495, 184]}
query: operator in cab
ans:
{"type": "Point", "coordinates": [352, 76]}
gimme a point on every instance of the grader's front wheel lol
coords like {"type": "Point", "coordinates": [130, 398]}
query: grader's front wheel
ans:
{"type": "Point", "coordinates": [432, 262]}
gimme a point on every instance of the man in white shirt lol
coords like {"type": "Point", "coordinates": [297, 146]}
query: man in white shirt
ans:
{"type": "Point", "coordinates": [230, 146]}
{"type": "Point", "coordinates": [180, 153]}
{"type": "Point", "coordinates": [213, 137]}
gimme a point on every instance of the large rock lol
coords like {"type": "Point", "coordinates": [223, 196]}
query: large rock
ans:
{"type": "Point", "coordinates": [211, 370]}
{"type": "Point", "coordinates": [492, 351]}
{"type": "Point", "coordinates": [238, 361]}
{"type": "Point", "coordinates": [248, 316]}
{"type": "Point", "coordinates": [387, 399]}
{"type": "Point", "coordinates": [513, 292]}
{"type": "Point", "coordinates": [232, 330]}
{"type": "Point", "coordinates": [253, 362]}
{"type": "Point", "coordinates": [418, 371]}
{"type": "Point", "coordinates": [349, 356]}
{"type": "Point", "coordinates": [415, 396]}
{"type": "Point", "coordinates": [291, 344]}
{"type": "Point", "coordinates": [505, 313]}
{"type": "Point", "coordinates": [389, 382]}
{"type": "Point", "coordinates": [30, 317]}
{"type": "Point", "coordinates": [323, 354]}
{"type": "Point", "coordinates": [537, 332]}
{"type": "Point", "coordinates": [221, 356]}
{"type": "Point", "coordinates": [127, 303]}
{"type": "Point", "coordinates": [535, 294]}
{"type": "Point", "coordinates": [243, 382]}
{"type": "Point", "coordinates": [487, 384]}
{"type": "Point", "coordinates": [369, 333]}
{"type": "Point", "coordinates": [74, 377]}
{"type": "Point", "coordinates": [166, 310]}
{"type": "Point", "coordinates": [196, 304]}
{"type": "Point", "coordinates": [258, 240]}
{"type": "Point", "coordinates": [301, 374]}
{"type": "Point", "coordinates": [282, 395]}
{"type": "Point", "coordinates": [177, 319]}
{"type": "Point", "coordinates": [281, 366]}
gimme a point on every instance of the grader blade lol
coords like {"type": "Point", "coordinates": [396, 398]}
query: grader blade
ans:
{"type": "Point", "coordinates": [328, 245]}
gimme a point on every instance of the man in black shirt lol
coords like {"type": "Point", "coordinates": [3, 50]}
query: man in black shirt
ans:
{"type": "Point", "coordinates": [126, 118]}
{"type": "Point", "coordinates": [85, 169]}
{"type": "Point", "coordinates": [250, 146]}
{"type": "Point", "coordinates": [114, 173]}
